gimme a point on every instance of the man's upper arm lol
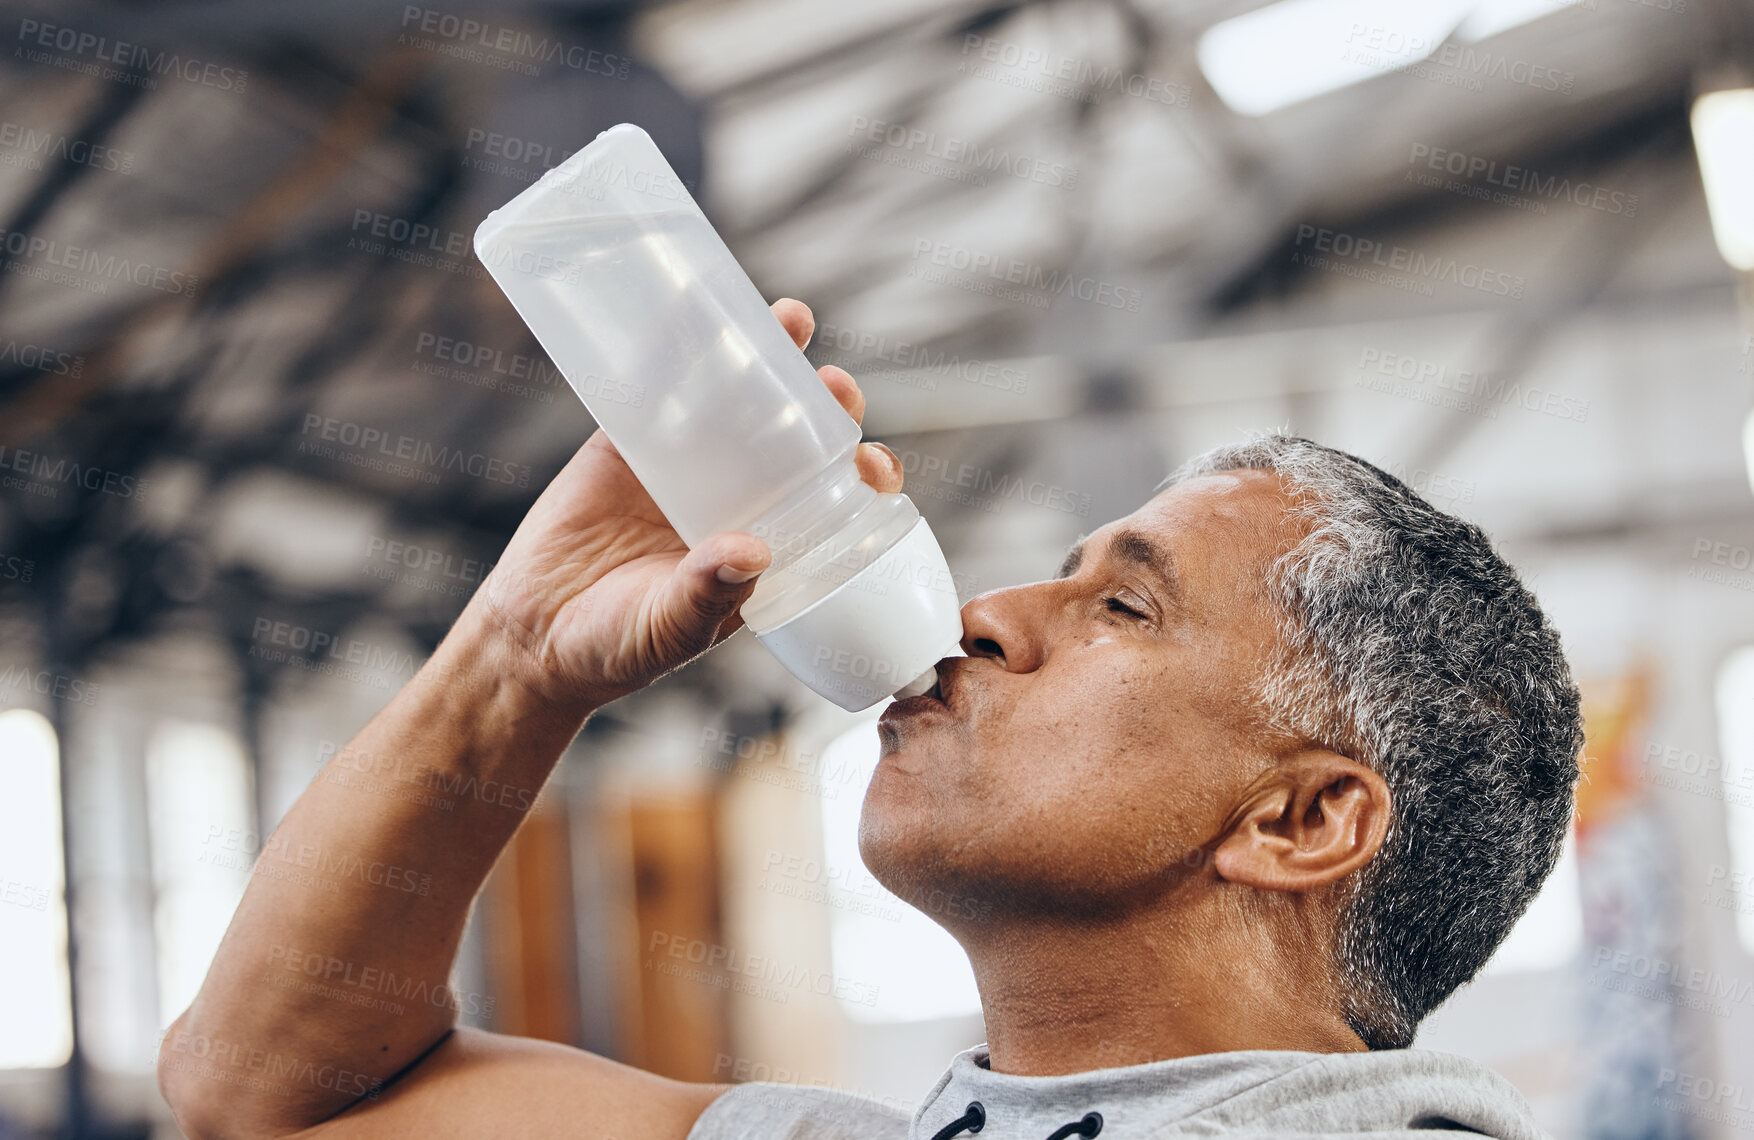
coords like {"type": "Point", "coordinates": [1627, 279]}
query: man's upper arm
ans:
{"type": "Point", "coordinates": [477, 1084]}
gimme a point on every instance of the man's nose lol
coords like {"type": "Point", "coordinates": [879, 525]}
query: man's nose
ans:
{"type": "Point", "coordinates": [1003, 625]}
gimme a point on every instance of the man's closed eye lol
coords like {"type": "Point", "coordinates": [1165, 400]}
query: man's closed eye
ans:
{"type": "Point", "coordinates": [1115, 605]}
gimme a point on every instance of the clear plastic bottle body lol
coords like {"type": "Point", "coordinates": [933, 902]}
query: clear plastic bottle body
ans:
{"type": "Point", "coordinates": [673, 350]}
{"type": "Point", "coordinates": [723, 390]}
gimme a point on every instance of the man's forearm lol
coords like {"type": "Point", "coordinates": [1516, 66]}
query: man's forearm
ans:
{"type": "Point", "coordinates": [335, 973]}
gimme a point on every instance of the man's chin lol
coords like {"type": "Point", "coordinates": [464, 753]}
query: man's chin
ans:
{"type": "Point", "coordinates": [897, 848]}
{"type": "Point", "coordinates": [915, 864]}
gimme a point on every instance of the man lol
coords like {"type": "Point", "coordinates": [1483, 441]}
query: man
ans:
{"type": "Point", "coordinates": [1252, 785]}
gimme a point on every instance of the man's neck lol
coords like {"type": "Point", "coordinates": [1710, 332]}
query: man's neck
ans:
{"type": "Point", "coordinates": [1061, 998]}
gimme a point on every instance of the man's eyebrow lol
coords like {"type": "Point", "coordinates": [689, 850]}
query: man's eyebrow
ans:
{"type": "Point", "coordinates": [1129, 546]}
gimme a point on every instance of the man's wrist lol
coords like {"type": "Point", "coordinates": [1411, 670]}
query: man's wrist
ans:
{"type": "Point", "coordinates": [479, 654]}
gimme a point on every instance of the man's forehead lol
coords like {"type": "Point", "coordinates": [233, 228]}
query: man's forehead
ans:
{"type": "Point", "coordinates": [1227, 511]}
{"type": "Point", "coordinates": [1250, 500]}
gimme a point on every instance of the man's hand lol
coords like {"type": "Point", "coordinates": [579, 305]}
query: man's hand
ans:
{"type": "Point", "coordinates": [598, 596]}
{"type": "Point", "coordinates": [595, 597]}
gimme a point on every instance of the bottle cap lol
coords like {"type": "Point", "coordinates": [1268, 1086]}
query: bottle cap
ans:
{"type": "Point", "coordinates": [891, 622]}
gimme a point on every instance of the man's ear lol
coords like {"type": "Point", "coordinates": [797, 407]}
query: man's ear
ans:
{"type": "Point", "coordinates": [1310, 821]}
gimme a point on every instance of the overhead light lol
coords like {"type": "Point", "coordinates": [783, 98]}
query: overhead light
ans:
{"type": "Point", "coordinates": [1723, 137]}
{"type": "Point", "coordinates": [1492, 17]}
{"type": "Point", "coordinates": [1295, 50]}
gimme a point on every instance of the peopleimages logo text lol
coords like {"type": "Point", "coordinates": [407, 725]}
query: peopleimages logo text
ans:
{"type": "Point", "coordinates": [1038, 279]}
{"type": "Point", "coordinates": [991, 159]}
{"type": "Point", "coordinates": [1413, 263]}
{"type": "Point", "coordinates": [50, 469]}
{"type": "Point", "coordinates": [365, 439]}
{"type": "Point", "coordinates": [35, 34]}
{"type": "Point", "coordinates": [39, 359]}
{"type": "Point", "coordinates": [1522, 179]}
{"type": "Point", "coordinates": [45, 143]}
{"type": "Point", "coordinates": [94, 263]}
{"type": "Point", "coordinates": [509, 41]}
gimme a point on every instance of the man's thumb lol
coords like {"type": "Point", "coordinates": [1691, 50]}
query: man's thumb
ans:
{"type": "Point", "coordinates": [711, 582]}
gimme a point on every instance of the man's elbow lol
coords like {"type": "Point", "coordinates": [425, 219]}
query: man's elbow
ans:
{"type": "Point", "coordinates": [180, 1084]}
{"type": "Point", "coordinates": [199, 1103]}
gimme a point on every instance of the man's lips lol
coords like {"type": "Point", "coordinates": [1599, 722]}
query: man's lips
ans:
{"type": "Point", "coordinates": [913, 706]}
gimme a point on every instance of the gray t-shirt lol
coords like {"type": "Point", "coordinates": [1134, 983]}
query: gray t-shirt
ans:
{"type": "Point", "coordinates": [1404, 1094]}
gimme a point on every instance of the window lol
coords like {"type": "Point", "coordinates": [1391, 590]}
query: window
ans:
{"type": "Point", "coordinates": [200, 829]}
{"type": "Point", "coordinates": [1550, 933]}
{"type": "Point", "coordinates": [882, 947]}
{"type": "Point", "coordinates": [36, 1017]}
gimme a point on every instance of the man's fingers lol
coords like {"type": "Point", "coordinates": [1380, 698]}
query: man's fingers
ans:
{"type": "Point", "coordinates": [845, 389]}
{"type": "Point", "coordinates": [734, 558]}
{"type": "Point", "coordinates": [796, 318]}
{"type": "Point", "coordinates": [800, 324]}
{"type": "Point", "coordinates": [709, 584]}
{"type": "Point", "coordinates": [879, 466]}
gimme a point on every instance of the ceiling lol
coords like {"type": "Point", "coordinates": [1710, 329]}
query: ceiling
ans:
{"type": "Point", "coordinates": [860, 156]}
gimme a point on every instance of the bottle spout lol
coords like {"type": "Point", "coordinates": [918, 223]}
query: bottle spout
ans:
{"type": "Point", "coordinates": [918, 685]}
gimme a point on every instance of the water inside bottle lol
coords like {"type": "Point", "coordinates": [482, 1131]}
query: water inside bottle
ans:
{"type": "Point", "coordinates": [722, 390]}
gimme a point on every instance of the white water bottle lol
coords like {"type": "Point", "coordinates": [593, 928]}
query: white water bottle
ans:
{"type": "Point", "coordinates": [726, 424]}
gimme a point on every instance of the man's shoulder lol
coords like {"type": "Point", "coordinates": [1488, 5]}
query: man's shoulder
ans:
{"type": "Point", "coordinates": [1391, 1092]}
{"type": "Point", "coordinates": [762, 1110]}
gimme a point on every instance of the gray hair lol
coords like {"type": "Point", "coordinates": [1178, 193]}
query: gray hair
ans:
{"type": "Point", "coordinates": [1410, 646]}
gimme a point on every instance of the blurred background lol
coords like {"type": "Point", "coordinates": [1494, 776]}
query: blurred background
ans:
{"type": "Point", "coordinates": [1496, 247]}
